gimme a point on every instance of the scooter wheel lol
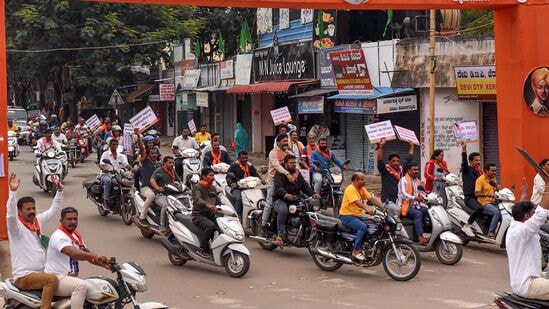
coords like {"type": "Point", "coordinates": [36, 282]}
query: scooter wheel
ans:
{"type": "Point", "coordinates": [176, 260]}
{"type": "Point", "coordinates": [451, 256]}
{"type": "Point", "coordinates": [236, 264]}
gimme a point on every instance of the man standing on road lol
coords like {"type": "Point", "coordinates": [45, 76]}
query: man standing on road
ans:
{"type": "Point", "coordinates": [65, 249]}
{"type": "Point", "coordinates": [240, 170]}
{"type": "Point", "coordinates": [391, 172]}
{"type": "Point", "coordinates": [161, 177]}
{"type": "Point", "coordinates": [485, 191]}
{"type": "Point", "coordinates": [470, 171]}
{"type": "Point", "coordinates": [27, 244]}
{"type": "Point", "coordinates": [182, 142]}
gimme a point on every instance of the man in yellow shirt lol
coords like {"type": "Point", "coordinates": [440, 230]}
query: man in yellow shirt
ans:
{"type": "Point", "coordinates": [354, 201]}
{"type": "Point", "coordinates": [202, 136]}
{"type": "Point", "coordinates": [485, 190]}
{"type": "Point", "coordinates": [12, 126]}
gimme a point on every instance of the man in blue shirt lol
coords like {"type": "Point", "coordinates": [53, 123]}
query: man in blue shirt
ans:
{"type": "Point", "coordinates": [325, 158]}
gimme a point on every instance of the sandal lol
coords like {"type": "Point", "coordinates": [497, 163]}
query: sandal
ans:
{"type": "Point", "coordinates": [279, 241]}
{"type": "Point", "coordinates": [359, 256]}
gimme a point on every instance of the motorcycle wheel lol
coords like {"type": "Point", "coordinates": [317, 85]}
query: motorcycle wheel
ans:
{"type": "Point", "coordinates": [127, 211]}
{"type": "Point", "coordinates": [390, 260]}
{"type": "Point", "coordinates": [451, 256]}
{"type": "Point", "coordinates": [324, 263]}
{"type": "Point", "coordinates": [237, 264]}
{"type": "Point", "coordinates": [266, 245]}
{"type": "Point", "coordinates": [102, 211]}
{"type": "Point", "coordinates": [176, 260]}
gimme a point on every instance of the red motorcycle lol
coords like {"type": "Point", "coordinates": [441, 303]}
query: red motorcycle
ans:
{"type": "Point", "coordinates": [83, 143]}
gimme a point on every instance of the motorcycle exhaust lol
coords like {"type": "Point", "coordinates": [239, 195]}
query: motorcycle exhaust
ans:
{"type": "Point", "coordinates": [168, 245]}
{"type": "Point", "coordinates": [331, 255]}
{"type": "Point", "coordinates": [259, 238]}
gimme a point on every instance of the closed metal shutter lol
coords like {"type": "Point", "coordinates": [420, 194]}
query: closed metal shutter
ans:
{"type": "Point", "coordinates": [490, 146]}
{"type": "Point", "coordinates": [409, 120]}
{"type": "Point", "coordinates": [356, 141]}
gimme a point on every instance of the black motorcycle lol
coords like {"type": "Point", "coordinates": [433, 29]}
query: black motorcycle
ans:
{"type": "Point", "coordinates": [298, 227]}
{"type": "Point", "coordinates": [121, 200]}
{"type": "Point", "coordinates": [331, 193]}
{"type": "Point", "coordinates": [512, 301]}
{"type": "Point", "coordinates": [333, 246]}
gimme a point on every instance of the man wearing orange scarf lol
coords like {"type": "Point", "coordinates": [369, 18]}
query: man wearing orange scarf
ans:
{"type": "Point", "coordinates": [216, 155]}
{"type": "Point", "coordinates": [161, 177]}
{"type": "Point", "coordinates": [205, 201]}
{"type": "Point", "coordinates": [409, 200]}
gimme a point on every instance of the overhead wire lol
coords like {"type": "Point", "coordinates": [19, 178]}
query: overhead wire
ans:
{"type": "Point", "coordinates": [9, 50]}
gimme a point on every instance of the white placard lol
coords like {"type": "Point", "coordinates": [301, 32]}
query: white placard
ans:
{"type": "Point", "coordinates": [167, 92]}
{"type": "Point", "coordinates": [377, 131]}
{"type": "Point", "coordinates": [281, 115]}
{"type": "Point", "coordinates": [190, 80]}
{"type": "Point", "coordinates": [93, 123]}
{"type": "Point", "coordinates": [243, 69]}
{"type": "Point", "coordinates": [202, 99]}
{"type": "Point", "coordinates": [128, 138]}
{"type": "Point", "coordinates": [396, 104]}
{"type": "Point", "coordinates": [144, 119]}
{"type": "Point", "coordinates": [406, 135]}
{"type": "Point", "coordinates": [226, 69]}
{"type": "Point", "coordinates": [192, 126]}
{"type": "Point", "coordinates": [306, 174]}
{"type": "Point", "coordinates": [466, 131]}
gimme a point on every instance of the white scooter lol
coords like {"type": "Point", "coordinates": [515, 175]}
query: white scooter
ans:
{"type": "Point", "coordinates": [227, 248]}
{"type": "Point", "coordinates": [49, 164]}
{"type": "Point", "coordinates": [253, 199]}
{"type": "Point", "coordinates": [446, 244]}
{"type": "Point", "coordinates": [13, 145]}
{"type": "Point", "coordinates": [101, 292]}
{"type": "Point", "coordinates": [459, 212]}
{"type": "Point", "coordinates": [220, 178]}
{"type": "Point", "coordinates": [191, 166]}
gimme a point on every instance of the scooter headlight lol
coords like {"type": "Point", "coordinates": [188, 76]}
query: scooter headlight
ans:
{"type": "Point", "coordinates": [233, 228]}
{"type": "Point", "coordinates": [50, 154]}
{"type": "Point", "coordinates": [292, 209]}
{"type": "Point", "coordinates": [338, 178]}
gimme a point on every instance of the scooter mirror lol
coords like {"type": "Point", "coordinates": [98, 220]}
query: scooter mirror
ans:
{"type": "Point", "coordinates": [175, 147]}
{"type": "Point", "coordinates": [106, 161]}
{"type": "Point", "coordinates": [440, 170]}
{"type": "Point", "coordinates": [421, 188]}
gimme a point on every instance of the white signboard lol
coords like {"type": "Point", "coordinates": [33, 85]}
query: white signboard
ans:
{"type": "Point", "coordinates": [226, 69]}
{"type": "Point", "coordinates": [306, 174]}
{"type": "Point", "coordinates": [144, 119]}
{"type": "Point", "coordinates": [190, 80]}
{"type": "Point", "coordinates": [406, 135]}
{"type": "Point", "coordinates": [243, 69]}
{"type": "Point", "coordinates": [396, 104]}
{"type": "Point", "coordinates": [128, 138]}
{"type": "Point", "coordinates": [93, 122]}
{"type": "Point", "coordinates": [466, 131]}
{"type": "Point", "coordinates": [202, 99]}
{"type": "Point", "coordinates": [377, 131]}
{"type": "Point", "coordinates": [34, 113]}
{"type": "Point", "coordinates": [281, 115]}
{"type": "Point", "coordinates": [167, 92]}
{"type": "Point", "coordinates": [192, 126]}
{"type": "Point", "coordinates": [154, 98]}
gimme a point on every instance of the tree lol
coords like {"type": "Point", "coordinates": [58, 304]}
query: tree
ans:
{"type": "Point", "coordinates": [477, 22]}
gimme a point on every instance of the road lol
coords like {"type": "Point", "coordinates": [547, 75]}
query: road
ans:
{"type": "Point", "coordinates": [280, 279]}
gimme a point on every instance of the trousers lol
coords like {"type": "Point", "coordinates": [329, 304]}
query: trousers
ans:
{"type": "Point", "coordinates": [149, 194]}
{"type": "Point", "coordinates": [106, 182]}
{"type": "Point", "coordinates": [317, 180]}
{"type": "Point", "coordinates": [73, 287]}
{"type": "Point", "coordinates": [281, 208]}
{"type": "Point", "coordinates": [418, 215]}
{"type": "Point", "coordinates": [40, 281]}
{"type": "Point", "coordinates": [267, 210]}
{"type": "Point", "coordinates": [237, 196]}
{"type": "Point", "coordinates": [493, 211]}
{"type": "Point", "coordinates": [162, 201]}
{"type": "Point", "coordinates": [208, 226]}
{"type": "Point", "coordinates": [357, 225]}
{"type": "Point", "coordinates": [472, 202]}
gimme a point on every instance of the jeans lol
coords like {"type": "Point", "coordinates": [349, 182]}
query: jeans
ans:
{"type": "Point", "coordinates": [418, 215]}
{"type": "Point", "coordinates": [475, 205]}
{"type": "Point", "coordinates": [237, 196]}
{"type": "Point", "coordinates": [281, 208]}
{"type": "Point", "coordinates": [106, 182]}
{"type": "Point", "coordinates": [267, 210]}
{"type": "Point", "coordinates": [73, 287]}
{"type": "Point", "coordinates": [493, 211]}
{"type": "Point", "coordinates": [162, 201]}
{"type": "Point", "coordinates": [317, 180]}
{"type": "Point", "coordinates": [39, 281]}
{"type": "Point", "coordinates": [357, 225]}
{"type": "Point", "coordinates": [208, 226]}
{"type": "Point", "coordinates": [179, 167]}
{"type": "Point", "coordinates": [150, 196]}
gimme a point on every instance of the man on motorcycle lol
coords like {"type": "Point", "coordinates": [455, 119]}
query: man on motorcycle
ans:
{"type": "Point", "coordinates": [65, 249]}
{"type": "Point", "coordinates": [524, 249]}
{"type": "Point", "coordinates": [485, 191]}
{"type": "Point", "coordinates": [311, 146]}
{"type": "Point", "coordinates": [240, 169]}
{"type": "Point", "coordinates": [287, 192]}
{"type": "Point", "coordinates": [325, 157]}
{"type": "Point", "coordinates": [149, 164]}
{"type": "Point", "coordinates": [215, 156]}
{"type": "Point", "coordinates": [118, 161]}
{"type": "Point", "coordinates": [161, 177]}
{"type": "Point", "coordinates": [208, 148]}
{"type": "Point", "coordinates": [471, 170]}
{"type": "Point", "coordinates": [41, 130]}
{"type": "Point", "coordinates": [409, 199]}
{"type": "Point", "coordinates": [115, 132]}
{"type": "Point", "coordinates": [27, 244]}
{"type": "Point", "coordinates": [54, 121]}
{"type": "Point", "coordinates": [202, 136]}
{"type": "Point", "coordinates": [355, 200]}
{"type": "Point", "coordinates": [298, 150]}
{"type": "Point", "coordinates": [58, 136]}
{"type": "Point", "coordinates": [149, 144]}
{"type": "Point", "coordinates": [391, 172]}
{"type": "Point", "coordinates": [276, 159]}
{"type": "Point", "coordinates": [66, 125]}
{"type": "Point", "coordinates": [12, 126]}
{"type": "Point", "coordinates": [205, 200]}
{"type": "Point", "coordinates": [47, 142]}
{"type": "Point", "coordinates": [184, 141]}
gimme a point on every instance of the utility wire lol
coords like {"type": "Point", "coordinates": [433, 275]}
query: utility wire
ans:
{"type": "Point", "coordinates": [80, 48]}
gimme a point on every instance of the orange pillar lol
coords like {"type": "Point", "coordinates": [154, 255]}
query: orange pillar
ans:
{"type": "Point", "coordinates": [521, 46]}
{"type": "Point", "coordinates": [3, 122]}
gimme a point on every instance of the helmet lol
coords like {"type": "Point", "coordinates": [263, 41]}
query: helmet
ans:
{"type": "Point", "coordinates": [43, 123]}
{"type": "Point", "coordinates": [53, 116]}
{"type": "Point", "coordinates": [148, 138]}
{"type": "Point", "coordinates": [116, 128]}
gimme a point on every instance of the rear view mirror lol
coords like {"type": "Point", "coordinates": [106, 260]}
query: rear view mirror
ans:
{"type": "Point", "coordinates": [440, 170]}
{"type": "Point", "coordinates": [106, 161]}
{"type": "Point", "coordinates": [347, 162]}
{"type": "Point", "coordinates": [421, 188]}
{"type": "Point", "coordinates": [175, 147]}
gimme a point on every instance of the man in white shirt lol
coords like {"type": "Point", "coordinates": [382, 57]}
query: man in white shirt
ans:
{"type": "Point", "coordinates": [182, 142]}
{"type": "Point", "coordinates": [539, 184]}
{"type": "Point", "coordinates": [118, 162]}
{"type": "Point", "coordinates": [65, 249]}
{"type": "Point", "coordinates": [27, 244]}
{"type": "Point", "coordinates": [58, 136]}
{"type": "Point", "coordinates": [524, 249]}
{"type": "Point", "coordinates": [47, 142]}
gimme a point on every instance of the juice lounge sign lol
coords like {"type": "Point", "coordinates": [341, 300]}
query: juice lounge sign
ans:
{"type": "Point", "coordinates": [284, 62]}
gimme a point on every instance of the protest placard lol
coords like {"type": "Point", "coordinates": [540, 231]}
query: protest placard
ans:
{"type": "Point", "coordinates": [466, 131]}
{"type": "Point", "coordinates": [377, 131]}
{"type": "Point", "coordinates": [281, 115]}
{"type": "Point", "coordinates": [93, 123]}
{"type": "Point", "coordinates": [144, 119]}
{"type": "Point", "coordinates": [128, 138]}
{"type": "Point", "coordinates": [192, 126]}
{"type": "Point", "coordinates": [34, 113]}
{"type": "Point", "coordinates": [306, 174]}
{"type": "Point", "coordinates": [406, 135]}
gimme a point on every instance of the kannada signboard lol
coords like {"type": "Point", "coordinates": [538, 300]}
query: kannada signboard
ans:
{"type": "Point", "coordinates": [192, 126]}
{"type": "Point", "coordinates": [466, 131]}
{"type": "Point", "coordinates": [406, 135]}
{"type": "Point", "coordinates": [396, 104]}
{"type": "Point", "coordinates": [367, 107]}
{"type": "Point", "coordinates": [144, 119]}
{"type": "Point", "coordinates": [226, 69]}
{"type": "Point", "coordinates": [476, 82]}
{"type": "Point", "coordinates": [167, 92]}
{"type": "Point", "coordinates": [93, 123]}
{"type": "Point", "coordinates": [202, 99]}
{"type": "Point", "coordinates": [281, 115]}
{"type": "Point", "coordinates": [128, 138]}
{"type": "Point", "coordinates": [351, 72]}
{"type": "Point", "coordinates": [377, 131]}
{"type": "Point", "coordinates": [284, 62]}
{"type": "Point", "coordinates": [311, 105]}
{"type": "Point", "coordinates": [325, 72]}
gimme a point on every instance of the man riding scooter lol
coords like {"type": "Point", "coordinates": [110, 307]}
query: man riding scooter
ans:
{"type": "Point", "coordinates": [149, 164]}
{"type": "Point", "coordinates": [409, 199]}
{"type": "Point", "coordinates": [485, 191]}
{"type": "Point", "coordinates": [40, 131]}
{"type": "Point", "coordinates": [325, 158]}
{"type": "Point", "coordinates": [216, 156]}
{"type": "Point", "coordinates": [161, 177]}
{"type": "Point", "coordinates": [240, 169]}
{"type": "Point", "coordinates": [182, 142]}
{"type": "Point", "coordinates": [118, 161]}
{"type": "Point", "coordinates": [391, 172]}
{"type": "Point", "coordinates": [205, 200]}
{"type": "Point", "coordinates": [470, 171]}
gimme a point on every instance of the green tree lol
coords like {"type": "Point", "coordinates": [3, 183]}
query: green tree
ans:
{"type": "Point", "coordinates": [477, 22]}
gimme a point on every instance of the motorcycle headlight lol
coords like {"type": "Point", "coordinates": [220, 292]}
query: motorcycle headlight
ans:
{"type": "Point", "coordinates": [233, 228]}
{"type": "Point", "coordinates": [292, 209]}
{"type": "Point", "coordinates": [50, 154]}
{"type": "Point", "coordinates": [338, 178]}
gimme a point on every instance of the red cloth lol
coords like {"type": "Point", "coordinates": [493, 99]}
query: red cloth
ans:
{"type": "Point", "coordinates": [430, 173]}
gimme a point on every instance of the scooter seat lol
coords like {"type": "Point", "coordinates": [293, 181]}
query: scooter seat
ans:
{"type": "Point", "coordinates": [343, 228]}
{"type": "Point", "coordinates": [406, 221]}
{"type": "Point", "coordinates": [188, 223]}
{"type": "Point", "coordinates": [542, 303]}
{"type": "Point", "coordinates": [37, 294]}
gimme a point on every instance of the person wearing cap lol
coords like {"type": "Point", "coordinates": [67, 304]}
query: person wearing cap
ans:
{"type": "Point", "coordinates": [118, 161]}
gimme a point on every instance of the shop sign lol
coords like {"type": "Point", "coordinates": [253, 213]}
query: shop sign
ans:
{"type": "Point", "coordinates": [154, 98]}
{"type": "Point", "coordinates": [351, 72]}
{"type": "Point", "coordinates": [397, 104]}
{"type": "Point", "coordinates": [202, 99]}
{"type": "Point", "coordinates": [310, 105]}
{"type": "Point", "coordinates": [355, 107]}
{"type": "Point", "coordinates": [324, 34]}
{"type": "Point", "coordinates": [284, 62]}
{"type": "Point", "coordinates": [190, 80]}
{"type": "Point", "coordinates": [243, 69]}
{"type": "Point", "coordinates": [326, 74]}
{"type": "Point", "coordinates": [187, 65]}
{"type": "Point", "coordinates": [476, 82]}
{"type": "Point", "coordinates": [226, 69]}
{"type": "Point", "coordinates": [167, 92]}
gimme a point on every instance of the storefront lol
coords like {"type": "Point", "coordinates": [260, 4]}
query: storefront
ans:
{"type": "Point", "coordinates": [185, 97]}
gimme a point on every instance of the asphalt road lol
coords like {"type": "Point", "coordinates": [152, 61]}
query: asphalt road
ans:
{"type": "Point", "coordinates": [280, 279]}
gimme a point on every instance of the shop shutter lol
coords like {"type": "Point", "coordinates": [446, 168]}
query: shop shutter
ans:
{"type": "Point", "coordinates": [490, 147]}
{"type": "Point", "coordinates": [409, 120]}
{"type": "Point", "coordinates": [356, 145]}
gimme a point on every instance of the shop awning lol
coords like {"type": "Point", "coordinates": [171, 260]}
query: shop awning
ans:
{"type": "Point", "coordinates": [279, 86]}
{"type": "Point", "coordinates": [212, 88]}
{"type": "Point", "coordinates": [379, 92]}
{"type": "Point", "coordinates": [314, 93]}
{"type": "Point", "coordinates": [132, 96]}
